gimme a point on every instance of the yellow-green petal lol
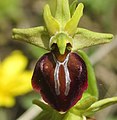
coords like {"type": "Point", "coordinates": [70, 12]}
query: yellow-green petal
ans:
{"type": "Point", "coordinates": [71, 25]}
{"type": "Point", "coordinates": [51, 23]}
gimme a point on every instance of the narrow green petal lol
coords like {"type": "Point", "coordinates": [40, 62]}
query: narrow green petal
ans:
{"type": "Point", "coordinates": [86, 38]}
{"type": "Point", "coordinates": [92, 85]}
{"type": "Point", "coordinates": [100, 105]}
{"type": "Point", "coordinates": [37, 36]}
{"type": "Point", "coordinates": [62, 12]}
{"type": "Point", "coordinates": [51, 23]}
{"type": "Point", "coordinates": [71, 25]}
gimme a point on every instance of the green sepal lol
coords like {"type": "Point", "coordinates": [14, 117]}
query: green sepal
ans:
{"type": "Point", "coordinates": [37, 36]}
{"type": "Point", "coordinates": [92, 85]}
{"type": "Point", "coordinates": [86, 38]}
{"type": "Point", "coordinates": [52, 24]}
{"type": "Point", "coordinates": [61, 39]}
{"type": "Point", "coordinates": [73, 6]}
{"type": "Point", "coordinates": [71, 25]}
{"type": "Point", "coordinates": [100, 105]}
{"type": "Point", "coordinates": [62, 12]}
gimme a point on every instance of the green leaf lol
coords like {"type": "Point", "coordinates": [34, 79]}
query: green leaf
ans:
{"type": "Point", "coordinates": [52, 24]}
{"type": "Point", "coordinates": [92, 85]}
{"type": "Point", "coordinates": [8, 10]}
{"type": "Point", "coordinates": [71, 25]}
{"type": "Point", "coordinates": [100, 105]}
{"type": "Point", "coordinates": [62, 12]}
{"type": "Point", "coordinates": [85, 38]}
{"type": "Point", "coordinates": [37, 36]}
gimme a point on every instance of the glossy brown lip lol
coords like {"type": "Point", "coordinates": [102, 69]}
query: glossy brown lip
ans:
{"type": "Point", "coordinates": [43, 81]}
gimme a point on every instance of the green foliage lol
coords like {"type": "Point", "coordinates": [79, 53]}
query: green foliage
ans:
{"type": "Point", "coordinates": [8, 9]}
{"type": "Point", "coordinates": [98, 6]}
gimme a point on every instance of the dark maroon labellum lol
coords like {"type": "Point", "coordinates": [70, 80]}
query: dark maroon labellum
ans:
{"type": "Point", "coordinates": [61, 83]}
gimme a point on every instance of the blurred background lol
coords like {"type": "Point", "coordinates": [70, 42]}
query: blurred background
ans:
{"type": "Point", "coordinates": [17, 59]}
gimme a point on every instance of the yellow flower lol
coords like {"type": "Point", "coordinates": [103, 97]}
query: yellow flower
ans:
{"type": "Point", "coordinates": [14, 79]}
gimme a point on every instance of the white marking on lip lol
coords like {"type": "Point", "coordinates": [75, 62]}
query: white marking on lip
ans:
{"type": "Point", "coordinates": [56, 79]}
{"type": "Point", "coordinates": [56, 75]}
